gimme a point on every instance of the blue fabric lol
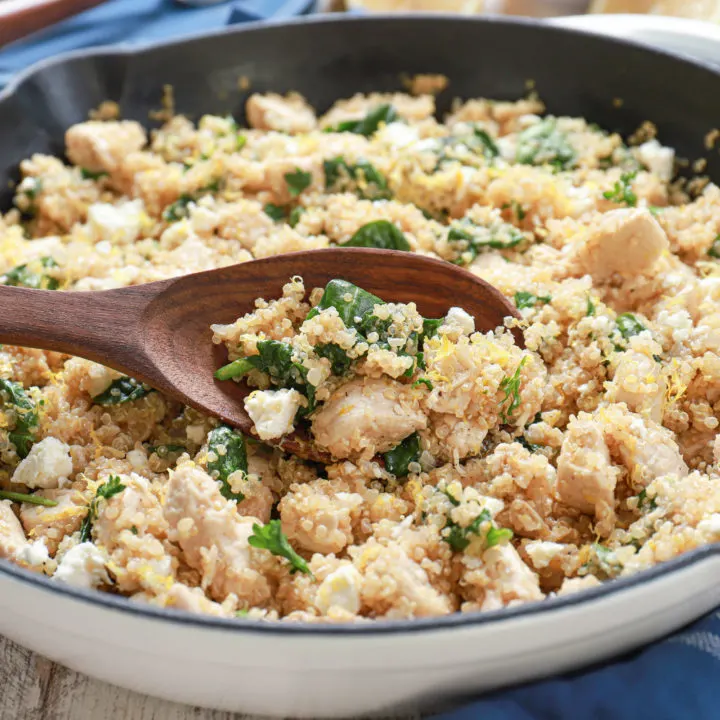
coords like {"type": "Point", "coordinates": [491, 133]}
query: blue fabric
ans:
{"type": "Point", "coordinates": [673, 679]}
{"type": "Point", "coordinates": [136, 22]}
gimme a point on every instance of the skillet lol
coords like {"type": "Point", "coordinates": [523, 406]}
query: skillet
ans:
{"type": "Point", "coordinates": [339, 670]}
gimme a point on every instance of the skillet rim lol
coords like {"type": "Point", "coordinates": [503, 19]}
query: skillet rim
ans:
{"type": "Point", "coordinates": [449, 622]}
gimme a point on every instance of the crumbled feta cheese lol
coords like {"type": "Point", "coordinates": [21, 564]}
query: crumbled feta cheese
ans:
{"type": "Point", "coordinates": [203, 220]}
{"type": "Point", "coordinates": [541, 552]}
{"type": "Point", "coordinates": [458, 318]}
{"type": "Point", "coordinates": [399, 134]}
{"type": "Point", "coordinates": [680, 322]}
{"type": "Point", "coordinates": [657, 158]}
{"type": "Point", "coordinates": [340, 589]}
{"type": "Point", "coordinates": [273, 411]}
{"type": "Point", "coordinates": [34, 554]}
{"type": "Point", "coordinates": [99, 379]}
{"type": "Point", "coordinates": [47, 464]}
{"type": "Point", "coordinates": [82, 566]}
{"type": "Point", "coordinates": [493, 505]}
{"type": "Point", "coordinates": [710, 525]}
{"type": "Point", "coordinates": [137, 458]}
{"type": "Point", "coordinates": [120, 224]}
{"type": "Point", "coordinates": [196, 433]}
{"type": "Point", "coordinates": [507, 147]}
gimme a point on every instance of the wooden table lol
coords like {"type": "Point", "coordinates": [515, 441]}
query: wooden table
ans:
{"type": "Point", "coordinates": [34, 688]}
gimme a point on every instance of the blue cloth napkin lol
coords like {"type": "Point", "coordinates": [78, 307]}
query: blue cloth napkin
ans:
{"type": "Point", "coordinates": [670, 680]}
{"type": "Point", "coordinates": [675, 679]}
{"type": "Point", "coordinates": [136, 22]}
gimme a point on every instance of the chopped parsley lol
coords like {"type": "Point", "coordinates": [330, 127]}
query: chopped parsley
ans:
{"type": "Point", "coordinates": [271, 537]}
{"type": "Point", "coordinates": [622, 191]}
{"type": "Point", "coordinates": [459, 537]}
{"type": "Point", "coordinates": [628, 325]}
{"type": "Point", "coordinates": [511, 386]}
{"type": "Point", "coordinates": [297, 181]}
{"type": "Point", "coordinates": [112, 486]}
{"type": "Point", "coordinates": [524, 299]}
{"type": "Point", "coordinates": [714, 249]}
{"type": "Point", "coordinates": [277, 213]}
{"type": "Point", "coordinates": [590, 308]}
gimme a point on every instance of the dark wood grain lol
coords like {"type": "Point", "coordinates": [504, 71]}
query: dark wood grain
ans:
{"type": "Point", "coordinates": [17, 23]}
{"type": "Point", "coordinates": [160, 332]}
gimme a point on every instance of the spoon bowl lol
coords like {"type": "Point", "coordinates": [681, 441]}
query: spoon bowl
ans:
{"type": "Point", "coordinates": [159, 333]}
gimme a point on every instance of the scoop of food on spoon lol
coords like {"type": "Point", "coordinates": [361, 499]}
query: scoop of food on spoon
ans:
{"type": "Point", "coordinates": [159, 333]}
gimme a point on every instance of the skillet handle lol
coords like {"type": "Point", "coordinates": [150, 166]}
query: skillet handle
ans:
{"type": "Point", "coordinates": [19, 18]}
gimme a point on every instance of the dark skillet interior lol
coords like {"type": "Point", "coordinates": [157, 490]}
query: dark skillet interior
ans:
{"type": "Point", "coordinates": [612, 83]}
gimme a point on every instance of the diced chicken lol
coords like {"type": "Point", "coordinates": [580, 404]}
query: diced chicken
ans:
{"type": "Point", "coordinates": [48, 463]}
{"type": "Point", "coordinates": [626, 241]}
{"type": "Point", "coordinates": [319, 519]}
{"type": "Point", "coordinates": [213, 536]}
{"type": "Point", "coordinates": [367, 416]}
{"type": "Point", "coordinates": [289, 114]}
{"type": "Point", "coordinates": [586, 478]}
{"type": "Point", "coordinates": [394, 586]}
{"type": "Point", "coordinates": [101, 146]}
{"type": "Point", "coordinates": [12, 537]}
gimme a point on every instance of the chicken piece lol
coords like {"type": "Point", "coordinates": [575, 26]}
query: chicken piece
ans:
{"type": "Point", "coordinates": [318, 517]}
{"type": "Point", "coordinates": [367, 416]}
{"type": "Point", "coordinates": [102, 146]}
{"type": "Point", "coordinates": [289, 114]}
{"type": "Point", "coordinates": [213, 536]}
{"type": "Point", "coordinates": [53, 523]}
{"type": "Point", "coordinates": [586, 478]}
{"type": "Point", "coordinates": [393, 585]}
{"type": "Point", "coordinates": [627, 241]}
{"type": "Point", "coordinates": [500, 579]}
{"type": "Point", "coordinates": [12, 537]}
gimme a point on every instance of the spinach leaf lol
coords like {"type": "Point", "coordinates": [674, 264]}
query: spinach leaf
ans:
{"type": "Point", "coordinates": [26, 498]}
{"type": "Point", "coordinates": [380, 234]}
{"type": "Point", "coordinates": [271, 537]}
{"type": "Point", "coordinates": [468, 240]}
{"type": "Point", "coordinates": [351, 302]}
{"type": "Point", "coordinates": [230, 452]}
{"type": "Point", "coordinates": [590, 309]}
{"type": "Point", "coordinates": [544, 144]}
{"type": "Point", "coordinates": [459, 537]}
{"type": "Point", "coordinates": [628, 325]}
{"type": "Point", "coordinates": [294, 217]}
{"type": "Point", "coordinates": [714, 250]}
{"type": "Point", "coordinates": [622, 191]}
{"type": "Point", "coordinates": [22, 436]}
{"type": "Point", "coordinates": [297, 181]}
{"type": "Point", "coordinates": [370, 124]}
{"type": "Point", "coordinates": [431, 326]}
{"type": "Point", "coordinates": [531, 447]}
{"type": "Point", "coordinates": [399, 458]}
{"type": "Point", "coordinates": [108, 489]}
{"type": "Point", "coordinates": [339, 361]}
{"type": "Point", "coordinates": [179, 209]}
{"type": "Point", "coordinates": [274, 358]}
{"type": "Point", "coordinates": [122, 390]}
{"type": "Point", "coordinates": [275, 212]}
{"type": "Point", "coordinates": [511, 386]}
{"type": "Point", "coordinates": [490, 148]}
{"type": "Point", "coordinates": [25, 276]}
{"type": "Point", "coordinates": [362, 178]}
{"type": "Point", "coordinates": [524, 299]}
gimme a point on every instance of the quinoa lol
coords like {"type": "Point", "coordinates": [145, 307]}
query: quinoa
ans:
{"type": "Point", "coordinates": [464, 473]}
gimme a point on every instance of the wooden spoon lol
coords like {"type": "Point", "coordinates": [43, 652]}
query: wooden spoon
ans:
{"type": "Point", "coordinates": [159, 333]}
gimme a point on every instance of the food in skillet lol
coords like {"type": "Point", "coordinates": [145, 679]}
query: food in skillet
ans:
{"type": "Point", "coordinates": [465, 474]}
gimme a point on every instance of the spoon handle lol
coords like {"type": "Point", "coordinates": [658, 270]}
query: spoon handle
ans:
{"type": "Point", "coordinates": [101, 326]}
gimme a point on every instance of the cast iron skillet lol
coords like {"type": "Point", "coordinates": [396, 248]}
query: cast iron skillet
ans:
{"type": "Point", "coordinates": [611, 82]}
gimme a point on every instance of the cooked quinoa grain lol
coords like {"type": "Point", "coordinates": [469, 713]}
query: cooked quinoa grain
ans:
{"type": "Point", "coordinates": [465, 473]}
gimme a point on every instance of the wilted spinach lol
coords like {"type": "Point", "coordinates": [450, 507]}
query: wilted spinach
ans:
{"type": "Point", "coordinates": [228, 447]}
{"type": "Point", "coordinates": [369, 125]}
{"type": "Point", "coordinates": [544, 144]}
{"type": "Point", "coordinates": [380, 234]}
{"type": "Point", "coordinates": [22, 436]}
{"type": "Point", "coordinates": [26, 275]}
{"type": "Point", "coordinates": [399, 458]}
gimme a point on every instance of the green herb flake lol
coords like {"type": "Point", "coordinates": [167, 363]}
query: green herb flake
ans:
{"type": "Point", "coordinates": [370, 124]}
{"type": "Point", "coordinates": [645, 502]}
{"type": "Point", "coordinates": [179, 209]}
{"type": "Point", "coordinates": [714, 249]}
{"type": "Point", "coordinates": [133, 529]}
{"type": "Point", "coordinates": [511, 387]}
{"type": "Point", "coordinates": [525, 299]}
{"type": "Point", "coordinates": [111, 487]}
{"type": "Point", "coordinates": [628, 325]}
{"type": "Point", "coordinates": [381, 234]}
{"type": "Point", "coordinates": [398, 460]}
{"type": "Point", "coordinates": [423, 381]}
{"type": "Point", "coordinates": [294, 216]}
{"type": "Point", "coordinates": [240, 142]}
{"type": "Point", "coordinates": [30, 275]}
{"type": "Point", "coordinates": [271, 537]}
{"type": "Point", "coordinates": [92, 174]}
{"type": "Point", "coordinates": [495, 536]}
{"type": "Point", "coordinates": [622, 191]}
{"type": "Point", "coordinates": [544, 144]}
{"type": "Point", "coordinates": [362, 178]}
{"type": "Point", "coordinates": [230, 455]}
{"type": "Point", "coordinates": [468, 240]}
{"type": "Point", "coordinates": [277, 213]}
{"type": "Point", "coordinates": [590, 309]}
{"type": "Point", "coordinates": [22, 436]}
{"type": "Point", "coordinates": [122, 390]}
{"type": "Point", "coordinates": [297, 181]}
